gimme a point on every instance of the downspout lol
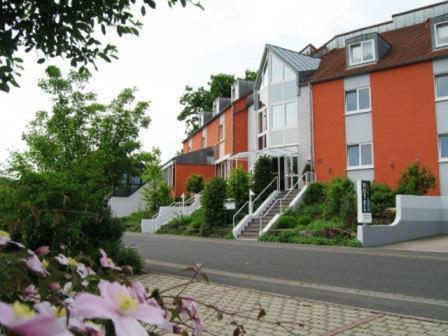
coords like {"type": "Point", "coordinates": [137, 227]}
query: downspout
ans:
{"type": "Point", "coordinates": [311, 125]}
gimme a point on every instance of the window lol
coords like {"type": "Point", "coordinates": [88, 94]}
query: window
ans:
{"type": "Point", "coordinates": [190, 144]}
{"type": "Point", "coordinates": [289, 74]}
{"type": "Point", "coordinates": [441, 86]}
{"type": "Point", "coordinates": [262, 128]}
{"type": "Point", "coordinates": [276, 116]}
{"type": "Point", "coordinates": [443, 146]}
{"type": "Point", "coordinates": [221, 130]}
{"type": "Point", "coordinates": [357, 100]}
{"type": "Point", "coordinates": [360, 156]}
{"type": "Point", "coordinates": [441, 34]}
{"type": "Point", "coordinates": [264, 78]}
{"type": "Point", "coordinates": [276, 70]}
{"type": "Point", "coordinates": [262, 141]}
{"type": "Point", "coordinates": [362, 52]}
{"type": "Point", "coordinates": [291, 114]}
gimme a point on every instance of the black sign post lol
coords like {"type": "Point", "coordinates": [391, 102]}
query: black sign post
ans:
{"type": "Point", "coordinates": [363, 189]}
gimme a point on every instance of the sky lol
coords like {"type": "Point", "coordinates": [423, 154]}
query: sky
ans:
{"type": "Point", "coordinates": [184, 46]}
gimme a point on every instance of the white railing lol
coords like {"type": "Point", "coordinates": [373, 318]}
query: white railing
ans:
{"type": "Point", "coordinates": [306, 178]}
{"type": "Point", "coordinates": [238, 212]}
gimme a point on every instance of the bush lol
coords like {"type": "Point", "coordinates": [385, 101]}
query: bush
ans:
{"type": "Point", "coordinates": [132, 223]}
{"type": "Point", "coordinates": [238, 186]}
{"type": "Point", "coordinates": [286, 222]}
{"type": "Point", "coordinates": [212, 201]}
{"type": "Point", "coordinates": [340, 198]}
{"type": "Point", "coordinates": [263, 174]}
{"type": "Point", "coordinates": [416, 180]}
{"type": "Point", "coordinates": [383, 197]}
{"type": "Point", "coordinates": [128, 256]}
{"type": "Point", "coordinates": [314, 194]}
{"type": "Point", "coordinates": [195, 184]}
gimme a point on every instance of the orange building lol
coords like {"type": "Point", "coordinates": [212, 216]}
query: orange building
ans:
{"type": "Point", "coordinates": [223, 133]}
{"type": "Point", "coordinates": [380, 100]}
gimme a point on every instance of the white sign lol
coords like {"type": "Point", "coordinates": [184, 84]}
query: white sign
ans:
{"type": "Point", "coordinates": [229, 204]}
{"type": "Point", "coordinates": [363, 190]}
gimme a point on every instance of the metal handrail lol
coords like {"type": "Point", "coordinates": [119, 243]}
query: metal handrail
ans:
{"type": "Point", "coordinates": [275, 178]}
{"type": "Point", "coordinates": [238, 213]}
{"type": "Point", "coordinates": [261, 217]}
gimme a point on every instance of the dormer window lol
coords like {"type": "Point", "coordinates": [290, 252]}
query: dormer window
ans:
{"type": "Point", "coordinates": [441, 34]}
{"type": "Point", "coordinates": [362, 52]}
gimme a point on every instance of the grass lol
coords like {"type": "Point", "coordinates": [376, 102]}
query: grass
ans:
{"type": "Point", "coordinates": [133, 221]}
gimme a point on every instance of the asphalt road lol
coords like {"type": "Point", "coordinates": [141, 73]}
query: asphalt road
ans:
{"type": "Point", "coordinates": [410, 283]}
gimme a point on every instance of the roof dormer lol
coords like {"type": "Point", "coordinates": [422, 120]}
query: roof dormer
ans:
{"type": "Point", "coordinates": [220, 104]}
{"type": "Point", "coordinates": [439, 31]}
{"type": "Point", "coordinates": [365, 49]}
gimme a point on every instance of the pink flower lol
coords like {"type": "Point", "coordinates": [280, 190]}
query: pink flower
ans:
{"type": "Point", "coordinates": [20, 319]}
{"type": "Point", "coordinates": [139, 291]}
{"type": "Point", "coordinates": [42, 251]}
{"type": "Point", "coordinates": [107, 262]}
{"type": "Point", "coordinates": [30, 293]}
{"type": "Point", "coordinates": [120, 304]}
{"type": "Point", "coordinates": [190, 310]}
{"type": "Point", "coordinates": [84, 270]}
{"type": "Point", "coordinates": [35, 265]}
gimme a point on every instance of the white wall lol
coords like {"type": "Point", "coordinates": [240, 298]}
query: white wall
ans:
{"type": "Point", "coordinates": [124, 206]}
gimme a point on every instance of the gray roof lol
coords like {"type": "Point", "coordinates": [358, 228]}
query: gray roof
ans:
{"type": "Point", "coordinates": [298, 61]}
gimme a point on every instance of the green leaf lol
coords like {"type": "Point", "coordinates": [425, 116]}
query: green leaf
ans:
{"type": "Point", "coordinates": [41, 60]}
{"type": "Point", "coordinates": [143, 10]}
{"type": "Point", "coordinates": [103, 29]}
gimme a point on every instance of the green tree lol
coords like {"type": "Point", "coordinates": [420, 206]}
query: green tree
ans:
{"type": "Point", "coordinates": [263, 174]}
{"type": "Point", "coordinates": [75, 155]}
{"type": "Point", "coordinates": [64, 28]}
{"type": "Point", "coordinates": [383, 197]}
{"type": "Point", "coordinates": [416, 180]}
{"type": "Point", "coordinates": [195, 184]}
{"type": "Point", "coordinates": [212, 201]}
{"type": "Point", "coordinates": [238, 186]}
{"type": "Point", "coordinates": [197, 101]}
{"type": "Point", "coordinates": [340, 200]}
{"type": "Point", "coordinates": [156, 192]}
{"type": "Point", "coordinates": [250, 75]}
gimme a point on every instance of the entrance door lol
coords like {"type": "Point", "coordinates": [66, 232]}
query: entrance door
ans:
{"type": "Point", "coordinates": [291, 171]}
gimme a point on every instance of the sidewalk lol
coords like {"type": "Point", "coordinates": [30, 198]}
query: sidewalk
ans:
{"type": "Point", "coordinates": [430, 244]}
{"type": "Point", "coordinates": [318, 318]}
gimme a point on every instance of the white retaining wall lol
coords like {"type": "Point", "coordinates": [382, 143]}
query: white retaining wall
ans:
{"type": "Point", "coordinates": [417, 217]}
{"type": "Point", "coordinates": [124, 206]}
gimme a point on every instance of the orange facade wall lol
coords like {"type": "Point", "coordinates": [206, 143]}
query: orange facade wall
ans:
{"type": "Point", "coordinates": [240, 127]}
{"type": "Point", "coordinates": [213, 133]}
{"type": "Point", "coordinates": [403, 121]}
{"type": "Point", "coordinates": [228, 122]}
{"type": "Point", "coordinates": [183, 171]}
{"type": "Point", "coordinates": [329, 130]}
{"type": "Point", "coordinates": [196, 141]}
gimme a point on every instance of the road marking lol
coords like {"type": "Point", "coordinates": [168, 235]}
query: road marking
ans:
{"type": "Point", "coordinates": [336, 289]}
{"type": "Point", "coordinates": [311, 248]}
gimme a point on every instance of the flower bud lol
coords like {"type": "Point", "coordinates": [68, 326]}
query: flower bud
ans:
{"type": "Point", "coordinates": [54, 286]}
{"type": "Point", "coordinates": [127, 269]}
{"type": "Point", "coordinates": [42, 251]}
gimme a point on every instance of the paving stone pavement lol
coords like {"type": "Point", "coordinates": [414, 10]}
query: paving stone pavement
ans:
{"type": "Point", "coordinates": [318, 318]}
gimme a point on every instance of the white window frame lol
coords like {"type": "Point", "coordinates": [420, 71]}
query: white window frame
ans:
{"type": "Point", "coordinates": [264, 115]}
{"type": "Point", "coordinates": [436, 41]}
{"type": "Point", "coordinates": [190, 145]}
{"type": "Point", "coordinates": [360, 166]}
{"type": "Point", "coordinates": [441, 159]}
{"type": "Point", "coordinates": [282, 124]}
{"type": "Point", "coordinates": [363, 61]}
{"type": "Point", "coordinates": [222, 126]}
{"type": "Point", "coordinates": [442, 74]}
{"type": "Point", "coordinates": [358, 110]}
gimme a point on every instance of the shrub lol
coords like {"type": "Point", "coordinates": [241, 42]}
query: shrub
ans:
{"type": "Point", "coordinates": [314, 194]}
{"type": "Point", "coordinates": [383, 197]}
{"type": "Point", "coordinates": [340, 198]}
{"type": "Point", "coordinates": [238, 186]}
{"type": "Point", "coordinates": [133, 222]}
{"type": "Point", "coordinates": [303, 220]}
{"type": "Point", "coordinates": [128, 256]}
{"type": "Point", "coordinates": [195, 184]}
{"type": "Point", "coordinates": [416, 180]}
{"type": "Point", "coordinates": [286, 222]}
{"type": "Point", "coordinates": [263, 174]}
{"type": "Point", "coordinates": [212, 201]}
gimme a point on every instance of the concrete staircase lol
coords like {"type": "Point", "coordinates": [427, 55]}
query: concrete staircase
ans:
{"type": "Point", "coordinates": [252, 229]}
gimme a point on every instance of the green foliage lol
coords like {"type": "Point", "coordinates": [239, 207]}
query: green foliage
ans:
{"type": "Point", "coordinates": [133, 222]}
{"type": "Point", "coordinates": [74, 157]}
{"type": "Point", "coordinates": [250, 75]}
{"type": "Point", "coordinates": [156, 192]}
{"type": "Point", "coordinates": [286, 222]}
{"type": "Point", "coordinates": [195, 184]}
{"type": "Point", "coordinates": [128, 256]}
{"type": "Point", "coordinates": [340, 199]}
{"type": "Point", "coordinates": [291, 237]}
{"type": "Point", "coordinates": [314, 194]}
{"type": "Point", "coordinates": [263, 174]}
{"type": "Point", "coordinates": [212, 200]}
{"type": "Point", "coordinates": [197, 101]}
{"type": "Point", "coordinates": [383, 197]}
{"type": "Point", "coordinates": [60, 29]}
{"type": "Point", "coordinates": [416, 180]}
{"type": "Point", "coordinates": [238, 185]}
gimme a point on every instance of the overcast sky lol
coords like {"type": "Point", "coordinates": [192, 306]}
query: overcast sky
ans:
{"type": "Point", "coordinates": [179, 47]}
